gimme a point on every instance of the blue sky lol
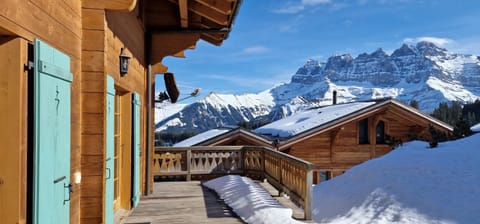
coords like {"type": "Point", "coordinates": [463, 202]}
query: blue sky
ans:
{"type": "Point", "coordinates": [271, 39]}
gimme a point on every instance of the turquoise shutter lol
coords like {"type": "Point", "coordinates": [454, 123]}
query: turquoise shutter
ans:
{"type": "Point", "coordinates": [110, 151]}
{"type": "Point", "coordinates": [51, 162]}
{"type": "Point", "coordinates": [136, 150]}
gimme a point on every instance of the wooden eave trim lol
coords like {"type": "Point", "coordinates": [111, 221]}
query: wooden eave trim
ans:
{"type": "Point", "coordinates": [424, 116]}
{"type": "Point", "coordinates": [211, 40]}
{"type": "Point", "coordinates": [120, 5]}
{"type": "Point", "coordinates": [234, 132]}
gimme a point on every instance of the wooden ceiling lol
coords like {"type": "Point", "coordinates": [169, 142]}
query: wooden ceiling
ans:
{"type": "Point", "coordinates": [211, 19]}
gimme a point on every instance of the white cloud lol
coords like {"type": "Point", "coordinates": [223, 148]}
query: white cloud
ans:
{"type": "Point", "coordinates": [439, 41]}
{"type": "Point", "coordinates": [300, 6]}
{"type": "Point", "coordinates": [256, 50]}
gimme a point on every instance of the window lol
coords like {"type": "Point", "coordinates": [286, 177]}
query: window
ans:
{"type": "Point", "coordinates": [363, 131]}
{"type": "Point", "coordinates": [380, 133]}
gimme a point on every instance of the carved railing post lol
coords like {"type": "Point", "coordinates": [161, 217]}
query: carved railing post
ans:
{"type": "Point", "coordinates": [308, 195]}
{"type": "Point", "coordinates": [189, 164]}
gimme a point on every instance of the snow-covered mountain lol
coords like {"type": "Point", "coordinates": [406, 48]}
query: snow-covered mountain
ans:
{"type": "Point", "coordinates": [424, 72]}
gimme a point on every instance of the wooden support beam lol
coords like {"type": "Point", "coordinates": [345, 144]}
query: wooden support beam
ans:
{"type": "Point", "coordinates": [207, 12]}
{"type": "Point", "coordinates": [333, 140]}
{"type": "Point", "coordinates": [183, 7]}
{"type": "Point", "coordinates": [211, 39]}
{"type": "Point", "coordinates": [120, 5]}
{"type": "Point", "coordinates": [220, 6]}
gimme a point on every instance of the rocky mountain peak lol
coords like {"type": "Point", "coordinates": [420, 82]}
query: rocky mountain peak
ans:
{"type": "Point", "coordinates": [379, 53]}
{"type": "Point", "coordinates": [404, 50]}
{"type": "Point", "coordinates": [424, 72]}
{"type": "Point", "coordinates": [430, 49]}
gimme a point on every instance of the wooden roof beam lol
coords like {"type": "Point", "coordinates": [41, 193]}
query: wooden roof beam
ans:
{"type": "Point", "coordinates": [207, 12]}
{"type": "Point", "coordinates": [221, 6]}
{"type": "Point", "coordinates": [183, 7]}
{"type": "Point", "coordinates": [120, 5]}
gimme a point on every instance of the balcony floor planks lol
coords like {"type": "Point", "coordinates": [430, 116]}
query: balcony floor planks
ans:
{"type": "Point", "coordinates": [181, 202]}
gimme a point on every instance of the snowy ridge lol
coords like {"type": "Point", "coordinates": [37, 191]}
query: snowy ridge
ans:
{"type": "Point", "coordinates": [411, 184]}
{"type": "Point", "coordinates": [423, 72]}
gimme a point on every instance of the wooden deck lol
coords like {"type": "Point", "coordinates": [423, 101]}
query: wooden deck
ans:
{"type": "Point", "coordinates": [181, 202]}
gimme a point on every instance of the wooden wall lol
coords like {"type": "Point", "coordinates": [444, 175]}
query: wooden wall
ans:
{"type": "Point", "coordinates": [13, 144]}
{"type": "Point", "coordinates": [338, 150]}
{"type": "Point", "coordinates": [59, 24]}
{"type": "Point", "coordinates": [104, 34]}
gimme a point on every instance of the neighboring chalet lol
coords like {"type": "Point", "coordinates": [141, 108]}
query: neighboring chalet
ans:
{"type": "Point", "coordinates": [226, 136]}
{"type": "Point", "coordinates": [339, 136]}
{"type": "Point", "coordinates": [76, 100]}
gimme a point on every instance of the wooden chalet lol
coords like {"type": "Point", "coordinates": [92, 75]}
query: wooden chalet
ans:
{"type": "Point", "coordinates": [337, 137]}
{"type": "Point", "coordinates": [226, 136]}
{"type": "Point", "coordinates": [76, 96]}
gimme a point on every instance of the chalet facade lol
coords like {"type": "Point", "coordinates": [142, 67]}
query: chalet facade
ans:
{"type": "Point", "coordinates": [76, 100]}
{"type": "Point", "coordinates": [340, 136]}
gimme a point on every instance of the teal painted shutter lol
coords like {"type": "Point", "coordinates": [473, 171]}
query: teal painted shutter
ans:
{"type": "Point", "coordinates": [136, 150]}
{"type": "Point", "coordinates": [51, 168]}
{"type": "Point", "coordinates": [109, 154]}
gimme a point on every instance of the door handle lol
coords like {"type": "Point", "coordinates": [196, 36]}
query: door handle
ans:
{"type": "Point", "coordinates": [108, 172]}
{"type": "Point", "coordinates": [70, 190]}
{"type": "Point", "coordinates": [59, 179]}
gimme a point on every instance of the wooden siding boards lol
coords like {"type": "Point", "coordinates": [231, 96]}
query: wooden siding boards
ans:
{"type": "Point", "coordinates": [13, 144]}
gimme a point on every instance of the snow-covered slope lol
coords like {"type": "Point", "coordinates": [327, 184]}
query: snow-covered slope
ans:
{"type": "Point", "coordinates": [423, 72]}
{"type": "Point", "coordinates": [218, 110]}
{"type": "Point", "coordinates": [411, 184]}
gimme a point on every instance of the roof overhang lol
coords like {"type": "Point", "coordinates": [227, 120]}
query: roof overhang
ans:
{"type": "Point", "coordinates": [235, 133]}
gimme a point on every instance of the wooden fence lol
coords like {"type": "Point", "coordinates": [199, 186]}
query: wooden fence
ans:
{"type": "Point", "coordinates": [288, 174]}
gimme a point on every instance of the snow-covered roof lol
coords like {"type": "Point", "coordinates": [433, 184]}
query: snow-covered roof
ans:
{"type": "Point", "coordinates": [475, 128]}
{"type": "Point", "coordinates": [306, 120]}
{"type": "Point", "coordinates": [201, 137]}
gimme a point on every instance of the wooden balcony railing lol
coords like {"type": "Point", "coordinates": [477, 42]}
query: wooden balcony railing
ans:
{"type": "Point", "coordinates": [288, 174]}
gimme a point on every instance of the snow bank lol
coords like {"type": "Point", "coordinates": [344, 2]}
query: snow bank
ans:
{"type": "Point", "coordinates": [475, 128]}
{"type": "Point", "coordinates": [412, 184]}
{"type": "Point", "coordinates": [250, 201]}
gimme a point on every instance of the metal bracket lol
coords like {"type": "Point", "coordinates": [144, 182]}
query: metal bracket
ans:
{"type": "Point", "coordinates": [70, 190]}
{"type": "Point", "coordinates": [29, 66]}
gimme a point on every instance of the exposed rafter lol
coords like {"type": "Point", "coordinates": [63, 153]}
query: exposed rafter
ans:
{"type": "Point", "coordinates": [207, 12]}
{"type": "Point", "coordinates": [183, 7]}
{"type": "Point", "coordinates": [224, 7]}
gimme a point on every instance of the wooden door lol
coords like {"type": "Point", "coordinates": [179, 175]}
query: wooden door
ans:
{"type": "Point", "coordinates": [51, 169]}
{"type": "Point", "coordinates": [110, 152]}
{"type": "Point", "coordinates": [136, 149]}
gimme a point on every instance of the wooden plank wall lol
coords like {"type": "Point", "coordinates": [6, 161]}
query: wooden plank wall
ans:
{"type": "Point", "coordinates": [338, 150]}
{"type": "Point", "coordinates": [125, 30]}
{"type": "Point", "coordinates": [93, 113]}
{"type": "Point", "coordinates": [13, 144]}
{"type": "Point", "coordinates": [59, 24]}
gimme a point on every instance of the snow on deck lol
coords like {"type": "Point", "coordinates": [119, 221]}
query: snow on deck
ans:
{"type": "Point", "coordinates": [411, 184]}
{"type": "Point", "coordinates": [201, 137]}
{"type": "Point", "coordinates": [250, 201]}
{"type": "Point", "coordinates": [309, 119]}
